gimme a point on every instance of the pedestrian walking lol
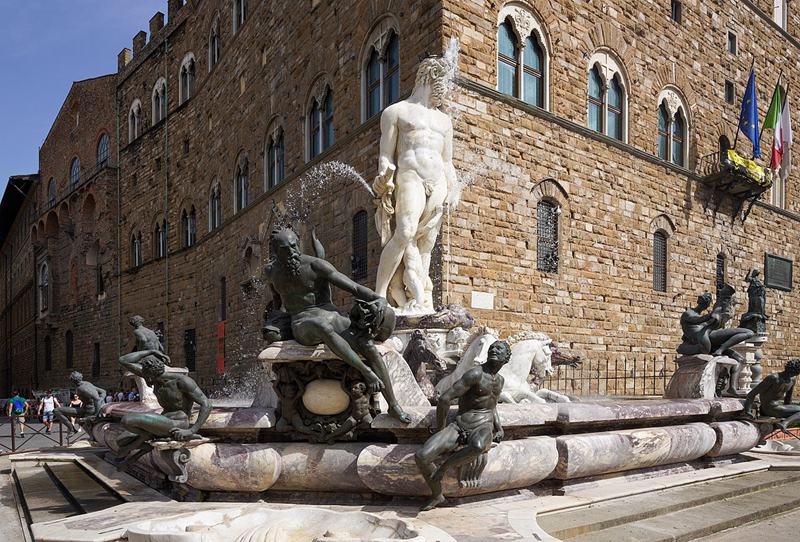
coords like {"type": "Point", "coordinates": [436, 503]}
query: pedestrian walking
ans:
{"type": "Point", "coordinates": [47, 405]}
{"type": "Point", "coordinates": [18, 407]}
{"type": "Point", "coordinates": [76, 403]}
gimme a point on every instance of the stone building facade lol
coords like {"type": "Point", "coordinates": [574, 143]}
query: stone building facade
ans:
{"type": "Point", "coordinates": [224, 107]}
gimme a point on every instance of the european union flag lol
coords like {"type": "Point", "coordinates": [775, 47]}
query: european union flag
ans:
{"type": "Point", "coordinates": [748, 118]}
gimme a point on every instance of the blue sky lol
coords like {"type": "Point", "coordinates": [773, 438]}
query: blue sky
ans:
{"type": "Point", "coordinates": [48, 45]}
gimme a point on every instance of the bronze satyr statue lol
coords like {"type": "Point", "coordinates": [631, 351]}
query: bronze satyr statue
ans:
{"type": "Point", "coordinates": [176, 393]}
{"type": "Point", "coordinates": [775, 393]}
{"type": "Point", "coordinates": [476, 426]}
{"type": "Point", "coordinates": [705, 333]}
{"type": "Point", "coordinates": [92, 398]}
{"type": "Point", "coordinates": [302, 285]}
{"type": "Point", "coordinates": [755, 318]}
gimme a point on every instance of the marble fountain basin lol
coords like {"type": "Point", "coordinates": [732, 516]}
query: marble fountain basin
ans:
{"type": "Point", "coordinates": [257, 523]}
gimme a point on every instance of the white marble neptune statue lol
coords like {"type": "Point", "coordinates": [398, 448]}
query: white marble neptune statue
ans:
{"type": "Point", "coordinates": [416, 180]}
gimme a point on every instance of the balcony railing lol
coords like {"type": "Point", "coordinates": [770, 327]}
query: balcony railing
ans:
{"type": "Point", "coordinates": [726, 173]}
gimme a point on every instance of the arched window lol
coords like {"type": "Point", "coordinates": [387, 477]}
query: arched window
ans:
{"type": "Point", "coordinates": [69, 348]}
{"type": "Point", "coordinates": [48, 353]}
{"type": "Point", "coordinates": [678, 137]}
{"type": "Point", "coordinates": [214, 47]}
{"type": "Point", "coordinates": [320, 124]}
{"type": "Point", "coordinates": [663, 132]}
{"type": "Point", "coordinates": [522, 56]}
{"type": "Point", "coordinates": [241, 186]}
{"type": "Point", "coordinates": [382, 77]}
{"type": "Point", "coordinates": [533, 72]}
{"type": "Point", "coordinates": [507, 60]}
{"type": "Point", "coordinates": [720, 270]}
{"type": "Point", "coordinates": [275, 169]}
{"type": "Point", "coordinates": [187, 76]}
{"type": "Point", "coordinates": [159, 101]}
{"type": "Point", "coordinates": [673, 130]}
{"type": "Point", "coordinates": [136, 249]}
{"type": "Point", "coordinates": [215, 208]}
{"type": "Point", "coordinates": [547, 236]}
{"type": "Point", "coordinates": [44, 287]}
{"type": "Point", "coordinates": [102, 151]}
{"type": "Point", "coordinates": [160, 239]}
{"type": "Point", "coordinates": [51, 193]}
{"type": "Point", "coordinates": [607, 96]}
{"type": "Point", "coordinates": [780, 12]}
{"type": "Point", "coordinates": [358, 259]}
{"type": "Point", "coordinates": [596, 99]}
{"type": "Point", "coordinates": [239, 14]}
{"type": "Point", "coordinates": [134, 121]}
{"type": "Point", "coordinates": [189, 227]}
{"type": "Point", "coordinates": [660, 261]}
{"type": "Point", "coordinates": [74, 173]}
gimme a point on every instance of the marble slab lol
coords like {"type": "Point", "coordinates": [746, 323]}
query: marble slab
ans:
{"type": "Point", "coordinates": [734, 437]}
{"type": "Point", "coordinates": [233, 467]}
{"type": "Point", "coordinates": [590, 454]}
{"type": "Point", "coordinates": [390, 469]}
{"type": "Point", "coordinates": [511, 416]}
{"type": "Point", "coordinates": [643, 410]}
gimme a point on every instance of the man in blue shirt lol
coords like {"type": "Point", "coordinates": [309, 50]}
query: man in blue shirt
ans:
{"type": "Point", "coordinates": [18, 407]}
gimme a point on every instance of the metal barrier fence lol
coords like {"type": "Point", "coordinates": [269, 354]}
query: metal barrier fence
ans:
{"type": "Point", "coordinates": [11, 439]}
{"type": "Point", "coordinates": [645, 377]}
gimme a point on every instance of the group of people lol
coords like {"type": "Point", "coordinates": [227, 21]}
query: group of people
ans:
{"type": "Point", "coordinates": [45, 407]}
{"type": "Point", "coordinates": [21, 407]}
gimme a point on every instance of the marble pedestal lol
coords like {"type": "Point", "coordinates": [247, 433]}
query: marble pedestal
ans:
{"type": "Point", "coordinates": [322, 399]}
{"type": "Point", "coordinates": [696, 376]}
{"type": "Point", "coordinates": [748, 374]}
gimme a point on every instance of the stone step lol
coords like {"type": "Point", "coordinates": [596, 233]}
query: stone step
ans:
{"type": "Point", "coordinates": [85, 491]}
{"type": "Point", "coordinates": [42, 499]}
{"type": "Point", "coordinates": [696, 521]}
{"type": "Point", "coordinates": [573, 523]}
{"type": "Point", "coordinates": [778, 527]}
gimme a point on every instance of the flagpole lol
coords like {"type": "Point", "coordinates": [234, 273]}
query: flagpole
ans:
{"type": "Point", "coordinates": [739, 123]}
{"type": "Point", "coordinates": [770, 104]}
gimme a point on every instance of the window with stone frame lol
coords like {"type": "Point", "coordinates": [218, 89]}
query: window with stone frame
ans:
{"type": "Point", "coordinates": [51, 193]}
{"type": "Point", "coordinates": [160, 239]}
{"type": "Point", "coordinates": [521, 56]}
{"type": "Point", "coordinates": [320, 123]}
{"type": "Point", "coordinates": [136, 249]}
{"type": "Point", "coordinates": [241, 186]}
{"type": "Point", "coordinates": [358, 259]}
{"type": "Point", "coordinates": [607, 96]}
{"type": "Point", "coordinates": [214, 45]}
{"type": "Point", "coordinates": [44, 287]}
{"type": "Point", "coordinates": [189, 227]}
{"type": "Point", "coordinates": [239, 14]}
{"type": "Point", "coordinates": [547, 240]}
{"type": "Point", "coordinates": [215, 207]}
{"type": "Point", "coordinates": [159, 101]}
{"type": "Point", "coordinates": [382, 76]}
{"type": "Point", "coordinates": [134, 121]}
{"type": "Point", "coordinates": [660, 261]}
{"type": "Point", "coordinates": [780, 12]}
{"type": "Point", "coordinates": [673, 129]}
{"type": "Point", "coordinates": [74, 173]}
{"type": "Point", "coordinates": [187, 78]}
{"type": "Point", "coordinates": [275, 160]}
{"type": "Point", "coordinates": [96, 361]}
{"type": "Point", "coordinates": [69, 347]}
{"type": "Point", "coordinates": [102, 151]}
{"type": "Point", "coordinates": [720, 270]}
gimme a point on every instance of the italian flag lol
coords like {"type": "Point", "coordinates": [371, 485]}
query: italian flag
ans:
{"type": "Point", "coordinates": [779, 120]}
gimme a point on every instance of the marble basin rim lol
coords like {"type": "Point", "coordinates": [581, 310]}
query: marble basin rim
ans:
{"type": "Point", "coordinates": [259, 522]}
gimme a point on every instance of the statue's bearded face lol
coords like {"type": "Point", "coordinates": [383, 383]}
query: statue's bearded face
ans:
{"type": "Point", "coordinates": [499, 354]}
{"type": "Point", "coordinates": [433, 72]}
{"type": "Point", "coordinates": [287, 251]}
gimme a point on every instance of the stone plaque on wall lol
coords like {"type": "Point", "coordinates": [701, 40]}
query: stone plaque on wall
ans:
{"type": "Point", "coordinates": [777, 272]}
